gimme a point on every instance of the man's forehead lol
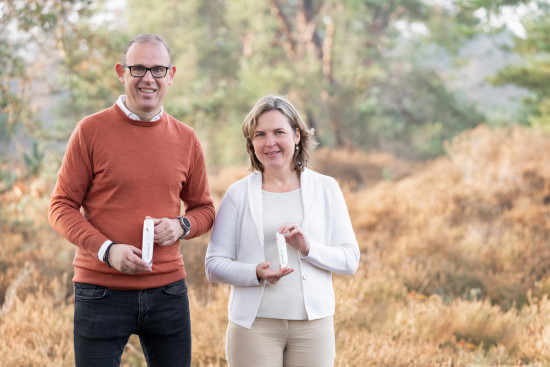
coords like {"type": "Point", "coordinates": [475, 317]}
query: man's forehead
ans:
{"type": "Point", "coordinates": [143, 51]}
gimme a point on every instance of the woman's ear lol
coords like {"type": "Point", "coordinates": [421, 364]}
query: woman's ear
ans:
{"type": "Point", "coordinates": [297, 136]}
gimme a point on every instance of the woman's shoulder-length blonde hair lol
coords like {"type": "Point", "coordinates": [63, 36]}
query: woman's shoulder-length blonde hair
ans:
{"type": "Point", "coordinates": [276, 102]}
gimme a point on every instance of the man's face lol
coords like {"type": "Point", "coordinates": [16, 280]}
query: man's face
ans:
{"type": "Point", "coordinates": [144, 95]}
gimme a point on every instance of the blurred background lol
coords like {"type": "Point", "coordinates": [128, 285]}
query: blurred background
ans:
{"type": "Point", "coordinates": [434, 116]}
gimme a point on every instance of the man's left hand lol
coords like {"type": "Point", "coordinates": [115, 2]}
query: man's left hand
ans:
{"type": "Point", "coordinates": [167, 230]}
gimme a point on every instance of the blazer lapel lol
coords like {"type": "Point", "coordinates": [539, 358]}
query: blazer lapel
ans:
{"type": "Point", "coordinates": [308, 187]}
{"type": "Point", "coordinates": [255, 203]}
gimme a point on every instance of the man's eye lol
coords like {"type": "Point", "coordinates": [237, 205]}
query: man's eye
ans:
{"type": "Point", "coordinates": [158, 70]}
{"type": "Point", "coordinates": [138, 70]}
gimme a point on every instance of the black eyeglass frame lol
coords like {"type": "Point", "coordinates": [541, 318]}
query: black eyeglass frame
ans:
{"type": "Point", "coordinates": [130, 67]}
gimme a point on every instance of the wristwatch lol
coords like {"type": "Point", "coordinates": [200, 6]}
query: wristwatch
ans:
{"type": "Point", "coordinates": [186, 225]}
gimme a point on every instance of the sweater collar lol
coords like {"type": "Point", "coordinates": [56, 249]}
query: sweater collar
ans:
{"type": "Point", "coordinates": [121, 103]}
{"type": "Point", "coordinates": [124, 117]}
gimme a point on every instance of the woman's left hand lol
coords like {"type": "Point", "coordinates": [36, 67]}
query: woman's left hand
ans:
{"type": "Point", "coordinates": [295, 237]}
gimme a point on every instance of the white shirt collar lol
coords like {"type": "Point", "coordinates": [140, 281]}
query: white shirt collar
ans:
{"type": "Point", "coordinates": [121, 103]}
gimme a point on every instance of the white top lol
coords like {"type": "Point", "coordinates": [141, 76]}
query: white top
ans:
{"type": "Point", "coordinates": [284, 300]}
{"type": "Point", "coordinates": [237, 245]}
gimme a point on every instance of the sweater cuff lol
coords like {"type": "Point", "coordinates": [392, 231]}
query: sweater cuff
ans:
{"type": "Point", "coordinates": [102, 249]}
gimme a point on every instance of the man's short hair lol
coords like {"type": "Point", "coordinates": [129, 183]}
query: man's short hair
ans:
{"type": "Point", "coordinates": [147, 38]}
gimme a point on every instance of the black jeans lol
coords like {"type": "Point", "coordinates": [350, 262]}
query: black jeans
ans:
{"type": "Point", "coordinates": [104, 319]}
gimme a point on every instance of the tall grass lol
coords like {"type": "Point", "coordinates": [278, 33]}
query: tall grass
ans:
{"type": "Point", "coordinates": [454, 267]}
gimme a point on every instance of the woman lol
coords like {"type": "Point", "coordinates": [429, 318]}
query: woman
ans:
{"type": "Point", "coordinates": [281, 316]}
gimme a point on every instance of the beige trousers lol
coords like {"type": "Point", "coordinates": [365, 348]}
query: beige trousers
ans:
{"type": "Point", "coordinates": [278, 343]}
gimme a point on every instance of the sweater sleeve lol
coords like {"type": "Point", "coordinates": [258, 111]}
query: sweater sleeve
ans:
{"type": "Point", "coordinates": [73, 180]}
{"type": "Point", "coordinates": [199, 206]}
{"type": "Point", "coordinates": [342, 253]}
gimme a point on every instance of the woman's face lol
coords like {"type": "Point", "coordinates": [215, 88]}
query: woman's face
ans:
{"type": "Point", "coordinates": [275, 141]}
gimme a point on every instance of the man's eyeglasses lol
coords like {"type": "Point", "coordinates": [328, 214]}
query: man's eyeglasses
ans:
{"type": "Point", "coordinates": [139, 71]}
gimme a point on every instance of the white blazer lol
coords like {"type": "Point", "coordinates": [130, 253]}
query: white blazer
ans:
{"type": "Point", "coordinates": [237, 245]}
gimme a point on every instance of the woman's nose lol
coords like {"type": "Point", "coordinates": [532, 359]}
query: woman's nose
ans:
{"type": "Point", "coordinates": [270, 140]}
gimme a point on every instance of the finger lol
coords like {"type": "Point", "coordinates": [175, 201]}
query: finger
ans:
{"type": "Point", "coordinates": [134, 257]}
{"type": "Point", "coordinates": [136, 251]}
{"type": "Point", "coordinates": [167, 240]}
{"type": "Point", "coordinates": [137, 265]}
{"type": "Point", "coordinates": [155, 220]}
{"type": "Point", "coordinates": [285, 227]}
{"type": "Point", "coordinates": [160, 226]}
{"type": "Point", "coordinates": [293, 229]}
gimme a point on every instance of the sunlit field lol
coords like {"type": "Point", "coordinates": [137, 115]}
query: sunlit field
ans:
{"type": "Point", "coordinates": [455, 255]}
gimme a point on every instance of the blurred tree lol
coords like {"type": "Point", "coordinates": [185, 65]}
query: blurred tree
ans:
{"type": "Point", "coordinates": [356, 69]}
{"type": "Point", "coordinates": [89, 44]}
{"type": "Point", "coordinates": [534, 73]}
{"type": "Point", "coordinates": [383, 95]}
{"type": "Point", "coordinates": [28, 29]}
{"type": "Point", "coordinates": [345, 64]}
{"type": "Point", "coordinates": [351, 68]}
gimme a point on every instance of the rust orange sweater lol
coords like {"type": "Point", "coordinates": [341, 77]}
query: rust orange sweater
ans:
{"type": "Point", "coordinates": [115, 172]}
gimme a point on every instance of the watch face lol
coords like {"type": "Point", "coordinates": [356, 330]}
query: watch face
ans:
{"type": "Point", "coordinates": [185, 225]}
{"type": "Point", "coordinates": [186, 222]}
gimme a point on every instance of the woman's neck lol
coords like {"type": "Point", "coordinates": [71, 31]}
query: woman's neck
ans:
{"type": "Point", "coordinates": [281, 181]}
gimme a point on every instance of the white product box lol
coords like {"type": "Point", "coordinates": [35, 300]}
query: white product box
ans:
{"type": "Point", "coordinates": [148, 239]}
{"type": "Point", "coordinates": [281, 248]}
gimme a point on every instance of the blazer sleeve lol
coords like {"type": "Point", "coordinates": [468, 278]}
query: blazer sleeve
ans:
{"type": "Point", "coordinates": [220, 263]}
{"type": "Point", "coordinates": [340, 252]}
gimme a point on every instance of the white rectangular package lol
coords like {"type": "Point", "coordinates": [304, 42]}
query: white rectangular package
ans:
{"type": "Point", "coordinates": [148, 239]}
{"type": "Point", "coordinates": [281, 249]}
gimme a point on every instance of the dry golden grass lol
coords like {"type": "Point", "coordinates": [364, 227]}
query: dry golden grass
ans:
{"type": "Point", "coordinates": [454, 267]}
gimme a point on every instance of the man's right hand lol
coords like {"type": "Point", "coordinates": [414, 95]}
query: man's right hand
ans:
{"type": "Point", "coordinates": [127, 259]}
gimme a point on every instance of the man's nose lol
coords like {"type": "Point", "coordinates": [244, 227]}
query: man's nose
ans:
{"type": "Point", "coordinates": [148, 75]}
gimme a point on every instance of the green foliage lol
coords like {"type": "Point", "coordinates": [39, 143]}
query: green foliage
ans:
{"type": "Point", "coordinates": [533, 73]}
{"type": "Point", "coordinates": [34, 28]}
{"type": "Point", "coordinates": [13, 85]}
{"type": "Point", "coordinates": [354, 68]}
{"type": "Point", "coordinates": [7, 179]}
{"type": "Point", "coordinates": [34, 160]}
{"type": "Point", "coordinates": [336, 60]}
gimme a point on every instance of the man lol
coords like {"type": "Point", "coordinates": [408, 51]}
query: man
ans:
{"type": "Point", "coordinates": [124, 164]}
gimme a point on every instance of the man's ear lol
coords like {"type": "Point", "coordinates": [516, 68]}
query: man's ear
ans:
{"type": "Point", "coordinates": [120, 70]}
{"type": "Point", "coordinates": [171, 74]}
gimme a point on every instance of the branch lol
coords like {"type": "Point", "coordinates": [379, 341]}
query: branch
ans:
{"type": "Point", "coordinates": [11, 292]}
{"type": "Point", "coordinates": [290, 42]}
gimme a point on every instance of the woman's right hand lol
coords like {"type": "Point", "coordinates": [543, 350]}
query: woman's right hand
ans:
{"type": "Point", "coordinates": [263, 272]}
